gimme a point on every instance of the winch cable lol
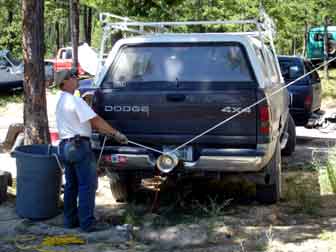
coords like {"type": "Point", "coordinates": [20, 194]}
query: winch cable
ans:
{"type": "Point", "coordinates": [146, 147]}
{"type": "Point", "coordinates": [101, 151]}
{"type": "Point", "coordinates": [134, 143]}
{"type": "Point", "coordinates": [249, 107]}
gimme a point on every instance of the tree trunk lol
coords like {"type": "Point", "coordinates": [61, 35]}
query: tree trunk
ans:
{"type": "Point", "coordinates": [74, 28]}
{"type": "Point", "coordinates": [325, 43]}
{"type": "Point", "coordinates": [89, 27]}
{"type": "Point", "coordinates": [35, 110]}
{"type": "Point", "coordinates": [58, 42]}
{"type": "Point", "coordinates": [87, 24]}
{"type": "Point", "coordinates": [57, 29]}
{"type": "Point", "coordinates": [11, 35]}
{"type": "Point", "coordinates": [305, 39]}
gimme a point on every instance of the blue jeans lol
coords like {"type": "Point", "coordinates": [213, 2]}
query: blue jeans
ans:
{"type": "Point", "coordinates": [80, 180]}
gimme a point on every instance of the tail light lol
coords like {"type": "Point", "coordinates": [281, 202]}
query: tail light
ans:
{"type": "Point", "coordinates": [308, 102]}
{"type": "Point", "coordinates": [264, 116]}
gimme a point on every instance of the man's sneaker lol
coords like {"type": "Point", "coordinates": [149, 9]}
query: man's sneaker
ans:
{"type": "Point", "coordinates": [96, 227]}
{"type": "Point", "coordinates": [73, 225]}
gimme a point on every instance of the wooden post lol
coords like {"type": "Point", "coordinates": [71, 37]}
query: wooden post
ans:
{"type": "Point", "coordinates": [325, 40]}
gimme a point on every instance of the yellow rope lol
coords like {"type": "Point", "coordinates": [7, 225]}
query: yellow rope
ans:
{"type": "Point", "coordinates": [24, 238]}
{"type": "Point", "coordinates": [49, 241]}
{"type": "Point", "coordinates": [62, 240]}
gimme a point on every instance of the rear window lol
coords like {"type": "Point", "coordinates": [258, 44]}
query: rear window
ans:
{"type": "Point", "coordinates": [180, 62]}
{"type": "Point", "coordinates": [285, 66]}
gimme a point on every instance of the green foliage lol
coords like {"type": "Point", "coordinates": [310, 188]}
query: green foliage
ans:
{"type": "Point", "coordinates": [331, 171]}
{"type": "Point", "coordinates": [289, 16]}
{"type": "Point", "coordinates": [328, 173]}
{"type": "Point", "coordinates": [328, 86]}
{"type": "Point", "coordinates": [212, 208]}
{"type": "Point", "coordinates": [10, 27]}
{"type": "Point", "coordinates": [11, 97]}
{"type": "Point", "coordinates": [304, 193]}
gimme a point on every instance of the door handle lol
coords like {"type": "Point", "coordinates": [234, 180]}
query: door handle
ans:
{"type": "Point", "coordinates": [176, 97]}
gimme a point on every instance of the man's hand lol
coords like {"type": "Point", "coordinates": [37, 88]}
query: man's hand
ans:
{"type": "Point", "coordinates": [119, 137]}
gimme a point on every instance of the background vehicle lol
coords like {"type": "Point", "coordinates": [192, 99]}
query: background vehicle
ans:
{"type": "Point", "coordinates": [315, 43]}
{"type": "Point", "coordinates": [163, 90]}
{"type": "Point", "coordinates": [306, 93]}
{"type": "Point", "coordinates": [63, 60]}
{"type": "Point", "coordinates": [12, 70]}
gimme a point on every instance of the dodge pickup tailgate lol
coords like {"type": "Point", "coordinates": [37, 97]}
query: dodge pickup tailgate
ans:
{"type": "Point", "coordinates": [168, 93]}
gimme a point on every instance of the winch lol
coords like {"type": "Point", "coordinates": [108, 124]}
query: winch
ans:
{"type": "Point", "coordinates": [167, 162]}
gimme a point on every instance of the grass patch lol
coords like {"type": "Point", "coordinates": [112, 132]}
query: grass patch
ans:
{"type": "Point", "coordinates": [327, 174]}
{"type": "Point", "coordinates": [173, 214]}
{"type": "Point", "coordinates": [132, 215]}
{"type": "Point", "coordinates": [328, 236]}
{"type": "Point", "coordinates": [304, 191]}
{"type": "Point", "coordinates": [328, 86]}
{"type": "Point", "coordinates": [212, 208]}
{"type": "Point", "coordinates": [10, 97]}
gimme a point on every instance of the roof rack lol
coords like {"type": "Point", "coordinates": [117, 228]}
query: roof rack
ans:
{"type": "Point", "coordinates": [111, 22]}
{"type": "Point", "coordinates": [265, 28]}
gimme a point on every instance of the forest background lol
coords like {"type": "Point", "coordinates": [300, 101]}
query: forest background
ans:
{"type": "Point", "coordinates": [292, 17]}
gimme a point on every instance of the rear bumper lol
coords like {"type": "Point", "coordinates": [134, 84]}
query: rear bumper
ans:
{"type": "Point", "coordinates": [300, 116]}
{"type": "Point", "coordinates": [117, 158]}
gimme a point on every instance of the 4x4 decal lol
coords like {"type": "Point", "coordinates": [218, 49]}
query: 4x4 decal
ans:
{"type": "Point", "coordinates": [231, 110]}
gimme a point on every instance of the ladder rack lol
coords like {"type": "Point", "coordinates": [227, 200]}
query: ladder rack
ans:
{"type": "Point", "coordinates": [265, 28]}
{"type": "Point", "coordinates": [264, 24]}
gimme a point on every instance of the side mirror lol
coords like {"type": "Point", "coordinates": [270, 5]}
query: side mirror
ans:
{"type": "Point", "coordinates": [293, 72]}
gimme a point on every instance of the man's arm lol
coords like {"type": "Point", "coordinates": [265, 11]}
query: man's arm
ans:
{"type": "Point", "coordinates": [102, 126]}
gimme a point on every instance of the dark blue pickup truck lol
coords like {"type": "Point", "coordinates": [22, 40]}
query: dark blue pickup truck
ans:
{"type": "Point", "coordinates": [305, 93]}
{"type": "Point", "coordinates": [163, 90]}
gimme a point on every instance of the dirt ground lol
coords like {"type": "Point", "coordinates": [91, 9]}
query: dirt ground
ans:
{"type": "Point", "coordinates": [230, 220]}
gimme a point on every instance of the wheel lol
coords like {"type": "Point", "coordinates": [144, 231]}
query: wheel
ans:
{"type": "Point", "coordinates": [122, 188]}
{"type": "Point", "coordinates": [291, 142]}
{"type": "Point", "coordinates": [270, 192]}
{"type": "Point", "coordinates": [119, 190]}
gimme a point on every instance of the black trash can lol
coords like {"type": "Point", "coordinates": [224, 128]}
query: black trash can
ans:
{"type": "Point", "coordinates": [38, 181]}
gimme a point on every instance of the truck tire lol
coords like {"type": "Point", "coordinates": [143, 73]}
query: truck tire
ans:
{"type": "Point", "coordinates": [119, 190]}
{"type": "Point", "coordinates": [291, 142]}
{"type": "Point", "coordinates": [123, 188]}
{"type": "Point", "coordinates": [270, 193]}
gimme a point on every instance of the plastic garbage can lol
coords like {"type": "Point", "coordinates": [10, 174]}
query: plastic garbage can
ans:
{"type": "Point", "coordinates": [38, 181]}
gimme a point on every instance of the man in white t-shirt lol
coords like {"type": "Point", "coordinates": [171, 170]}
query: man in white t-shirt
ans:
{"type": "Point", "coordinates": [75, 120]}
